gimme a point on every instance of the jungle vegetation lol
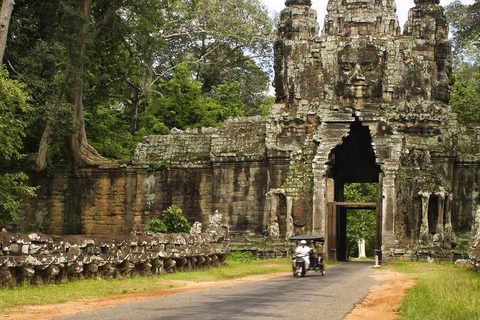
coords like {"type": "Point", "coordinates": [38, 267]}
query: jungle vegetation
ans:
{"type": "Point", "coordinates": [83, 81]}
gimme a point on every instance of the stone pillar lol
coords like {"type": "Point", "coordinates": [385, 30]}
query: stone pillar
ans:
{"type": "Point", "coordinates": [424, 229]}
{"type": "Point", "coordinates": [389, 205]}
{"type": "Point", "coordinates": [320, 209]}
{"type": "Point", "coordinates": [289, 228]}
{"type": "Point", "coordinates": [448, 232]}
{"type": "Point", "coordinates": [439, 232]}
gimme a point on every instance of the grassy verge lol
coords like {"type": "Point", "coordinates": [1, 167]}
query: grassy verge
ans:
{"type": "Point", "coordinates": [442, 292]}
{"type": "Point", "coordinates": [49, 294]}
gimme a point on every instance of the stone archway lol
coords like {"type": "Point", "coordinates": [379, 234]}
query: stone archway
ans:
{"type": "Point", "coordinates": [353, 161]}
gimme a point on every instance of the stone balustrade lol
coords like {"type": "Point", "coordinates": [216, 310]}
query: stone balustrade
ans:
{"type": "Point", "coordinates": [37, 258]}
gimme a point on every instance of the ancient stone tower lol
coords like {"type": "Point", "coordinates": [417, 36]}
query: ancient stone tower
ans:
{"type": "Point", "coordinates": [369, 104]}
{"type": "Point", "coordinates": [356, 102]}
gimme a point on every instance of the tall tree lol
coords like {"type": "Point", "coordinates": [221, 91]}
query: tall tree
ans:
{"type": "Point", "coordinates": [464, 20]}
{"type": "Point", "coordinates": [465, 26]}
{"type": "Point", "coordinates": [5, 14]}
{"type": "Point", "coordinates": [99, 60]}
{"type": "Point", "coordinates": [82, 153]}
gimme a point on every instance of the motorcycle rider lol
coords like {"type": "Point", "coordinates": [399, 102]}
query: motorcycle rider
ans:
{"type": "Point", "coordinates": [303, 250]}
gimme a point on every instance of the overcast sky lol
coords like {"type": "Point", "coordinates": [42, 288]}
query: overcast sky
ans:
{"type": "Point", "coordinates": [320, 5]}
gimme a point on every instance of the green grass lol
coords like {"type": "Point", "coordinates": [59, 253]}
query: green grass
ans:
{"type": "Point", "coordinates": [443, 291]}
{"type": "Point", "coordinates": [10, 299]}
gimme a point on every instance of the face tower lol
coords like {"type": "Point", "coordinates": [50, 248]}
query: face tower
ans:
{"type": "Point", "coordinates": [362, 102]}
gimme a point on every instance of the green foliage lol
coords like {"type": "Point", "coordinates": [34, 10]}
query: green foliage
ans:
{"type": "Point", "coordinates": [228, 102]}
{"type": "Point", "coordinates": [13, 120]}
{"type": "Point", "coordinates": [361, 192]}
{"type": "Point", "coordinates": [361, 223]}
{"type": "Point", "coordinates": [244, 256]}
{"type": "Point", "coordinates": [39, 220]}
{"type": "Point", "coordinates": [179, 103]}
{"type": "Point", "coordinates": [171, 221]}
{"type": "Point", "coordinates": [465, 94]}
{"type": "Point", "coordinates": [109, 132]}
{"type": "Point", "coordinates": [11, 186]}
{"type": "Point", "coordinates": [267, 103]}
{"type": "Point", "coordinates": [464, 21]}
{"type": "Point", "coordinates": [158, 166]}
{"type": "Point", "coordinates": [156, 225]}
{"type": "Point", "coordinates": [149, 66]}
{"type": "Point", "coordinates": [13, 117]}
{"type": "Point", "coordinates": [174, 221]}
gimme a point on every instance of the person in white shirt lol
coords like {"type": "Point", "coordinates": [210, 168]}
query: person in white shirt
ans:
{"type": "Point", "coordinates": [303, 250]}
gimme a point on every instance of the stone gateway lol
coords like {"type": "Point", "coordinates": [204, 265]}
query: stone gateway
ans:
{"type": "Point", "coordinates": [358, 102]}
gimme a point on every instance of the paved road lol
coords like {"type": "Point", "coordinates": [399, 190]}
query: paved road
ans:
{"type": "Point", "coordinates": [329, 297]}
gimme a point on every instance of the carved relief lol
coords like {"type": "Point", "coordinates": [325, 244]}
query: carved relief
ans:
{"type": "Point", "coordinates": [360, 72]}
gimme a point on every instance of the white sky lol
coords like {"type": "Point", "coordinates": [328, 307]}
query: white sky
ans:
{"type": "Point", "coordinates": [320, 6]}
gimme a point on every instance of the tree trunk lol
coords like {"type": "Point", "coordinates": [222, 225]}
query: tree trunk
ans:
{"type": "Point", "coordinates": [361, 248]}
{"type": "Point", "coordinates": [134, 112]}
{"type": "Point", "coordinates": [82, 153]}
{"type": "Point", "coordinates": [41, 161]}
{"type": "Point", "coordinates": [5, 14]}
{"type": "Point", "coordinates": [47, 31]}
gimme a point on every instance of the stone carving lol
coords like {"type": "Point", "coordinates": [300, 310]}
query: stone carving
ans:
{"type": "Point", "coordinates": [218, 228]}
{"type": "Point", "coordinates": [274, 231]}
{"type": "Point", "coordinates": [196, 229]}
{"type": "Point", "coordinates": [360, 72]}
{"type": "Point", "coordinates": [424, 228]}
{"type": "Point", "coordinates": [36, 258]}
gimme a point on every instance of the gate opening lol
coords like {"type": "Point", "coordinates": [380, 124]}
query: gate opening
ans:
{"type": "Point", "coordinates": [353, 161]}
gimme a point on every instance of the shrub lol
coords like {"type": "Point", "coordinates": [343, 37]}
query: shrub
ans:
{"type": "Point", "coordinates": [156, 225]}
{"type": "Point", "coordinates": [174, 221]}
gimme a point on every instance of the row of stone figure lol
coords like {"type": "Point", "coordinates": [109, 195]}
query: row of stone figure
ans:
{"type": "Point", "coordinates": [20, 270]}
{"type": "Point", "coordinates": [37, 258]}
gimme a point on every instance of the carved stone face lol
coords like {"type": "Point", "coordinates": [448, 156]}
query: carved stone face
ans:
{"type": "Point", "coordinates": [360, 72]}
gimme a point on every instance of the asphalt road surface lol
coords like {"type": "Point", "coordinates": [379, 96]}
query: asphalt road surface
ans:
{"type": "Point", "coordinates": [314, 296]}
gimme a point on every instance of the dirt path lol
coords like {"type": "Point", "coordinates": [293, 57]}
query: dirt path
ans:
{"type": "Point", "coordinates": [378, 305]}
{"type": "Point", "coordinates": [382, 301]}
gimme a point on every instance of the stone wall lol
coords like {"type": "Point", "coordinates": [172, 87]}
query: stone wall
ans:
{"type": "Point", "coordinates": [97, 201]}
{"type": "Point", "coordinates": [38, 258]}
{"type": "Point", "coordinates": [224, 169]}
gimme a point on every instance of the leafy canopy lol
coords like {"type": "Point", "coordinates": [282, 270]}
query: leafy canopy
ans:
{"type": "Point", "coordinates": [465, 25]}
{"type": "Point", "coordinates": [14, 112]}
{"type": "Point", "coordinates": [149, 66]}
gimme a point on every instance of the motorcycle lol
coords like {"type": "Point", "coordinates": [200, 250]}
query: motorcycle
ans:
{"type": "Point", "coordinates": [299, 269]}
